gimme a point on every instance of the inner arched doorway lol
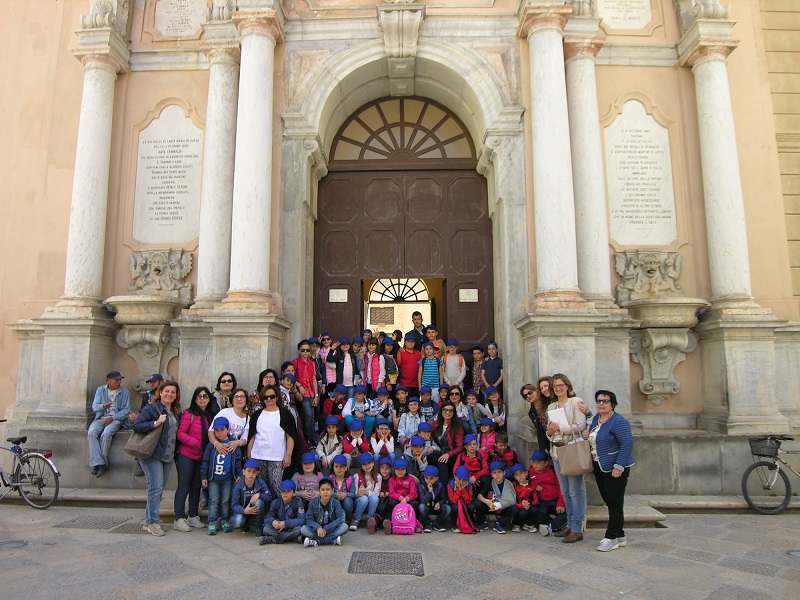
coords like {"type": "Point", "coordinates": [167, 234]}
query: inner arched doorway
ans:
{"type": "Point", "coordinates": [402, 199]}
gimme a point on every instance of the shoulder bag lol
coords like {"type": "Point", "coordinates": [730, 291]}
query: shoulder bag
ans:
{"type": "Point", "coordinates": [142, 445]}
{"type": "Point", "coordinates": [575, 458]}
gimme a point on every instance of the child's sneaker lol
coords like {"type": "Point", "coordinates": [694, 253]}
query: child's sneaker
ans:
{"type": "Point", "coordinates": [607, 545]}
{"type": "Point", "coordinates": [309, 543]}
{"type": "Point", "coordinates": [438, 527]}
{"type": "Point", "coordinates": [353, 525]}
{"type": "Point", "coordinates": [529, 527]}
{"type": "Point", "coordinates": [483, 526]}
{"type": "Point", "coordinates": [226, 527]}
{"type": "Point", "coordinates": [372, 525]}
{"type": "Point", "coordinates": [544, 530]}
{"type": "Point", "coordinates": [195, 522]}
{"type": "Point", "coordinates": [516, 529]}
{"type": "Point", "coordinates": [456, 530]}
{"type": "Point", "coordinates": [426, 529]}
{"type": "Point", "coordinates": [212, 529]}
{"type": "Point", "coordinates": [337, 541]}
{"type": "Point", "coordinates": [266, 539]}
{"type": "Point", "coordinates": [499, 528]}
{"type": "Point", "coordinates": [387, 526]}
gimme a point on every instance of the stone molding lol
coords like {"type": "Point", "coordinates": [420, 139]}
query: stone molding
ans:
{"type": "Point", "coordinates": [706, 40]}
{"type": "Point", "coordinates": [104, 45]}
{"type": "Point", "coordinates": [221, 10]}
{"type": "Point", "coordinates": [112, 14]}
{"type": "Point", "coordinates": [161, 272]}
{"type": "Point", "coordinates": [400, 23]}
{"type": "Point", "coordinates": [659, 351]}
{"type": "Point", "coordinates": [583, 37]}
{"type": "Point", "coordinates": [538, 16]}
{"type": "Point", "coordinates": [268, 24]}
{"type": "Point", "coordinates": [690, 11]}
{"type": "Point", "coordinates": [646, 273]}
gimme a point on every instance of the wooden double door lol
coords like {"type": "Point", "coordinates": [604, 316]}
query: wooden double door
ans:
{"type": "Point", "coordinates": [428, 224]}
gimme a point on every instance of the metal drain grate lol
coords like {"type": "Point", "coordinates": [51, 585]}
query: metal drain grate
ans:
{"type": "Point", "coordinates": [135, 527]}
{"type": "Point", "coordinates": [386, 563]}
{"type": "Point", "coordinates": [92, 522]}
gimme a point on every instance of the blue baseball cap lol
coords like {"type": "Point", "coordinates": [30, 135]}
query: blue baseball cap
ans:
{"type": "Point", "coordinates": [357, 339]}
{"type": "Point", "coordinates": [339, 459]}
{"type": "Point", "coordinates": [462, 472]}
{"type": "Point", "coordinates": [382, 422]}
{"type": "Point", "coordinates": [313, 340]}
{"type": "Point", "coordinates": [416, 441]}
{"type": "Point", "coordinates": [356, 425]}
{"type": "Point", "coordinates": [308, 457]}
{"type": "Point", "coordinates": [385, 461]}
{"type": "Point", "coordinates": [518, 467]}
{"type": "Point", "coordinates": [400, 388]}
{"type": "Point", "coordinates": [290, 377]}
{"type": "Point", "coordinates": [410, 336]}
{"type": "Point", "coordinates": [400, 463]}
{"type": "Point", "coordinates": [382, 391]}
{"type": "Point", "coordinates": [344, 340]}
{"type": "Point", "coordinates": [486, 421]}
{"type": "Point", "coordinates": [430, 471]}
{"type": "Point", "coordinates": [425, 389]}
{"type": "Point", "coordinates": [491, 390]}
{"type": "Point", "coordinates": [412, 399]}
{"type": "Point", "coordinates": [288, 486]}
{"type": "Point", "coordinates": [444, 386]}
{"type": "Point", "coordinates": [331, 420]}
{"type": "Point", "coordinates": [424, 426]}
{"type": "Point", "coordinates": [340, 389]}
{"type": "Point", "coordinates": [452, 342]}
{"type": "Point", "coordinates": [387, 341]}
{"type": "Point", "coordinates": [365, 458]}
{"type": "Point", "coordinates": [360, 389]}
{"type": "Point", "coordinates": [427, 344]}
{"type": "Point", "coordinates": [250, 463]}
{"type": "Point", "coordinates": [539, 455]}
{"type": "Point", "coordinates": [220, 423]}
{"type": "Point", "coordinates": [497, 465]}
{"type": "Point", "coordinates": [469, 438]}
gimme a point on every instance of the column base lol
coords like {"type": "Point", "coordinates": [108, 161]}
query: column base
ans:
{"type": "Point", "coordinates": [722, 422]}
{"type": "Point", "coordinates": [559, 301]}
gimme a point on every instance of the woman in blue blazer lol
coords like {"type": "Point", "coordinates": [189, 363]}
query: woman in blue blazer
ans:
{"type": "Point", "coordinates": [611, 442]}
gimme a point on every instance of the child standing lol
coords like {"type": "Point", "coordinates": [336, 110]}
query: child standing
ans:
{"type": "Point", "coordinates": [545, 483]}
{"type": "Point", "coordinates": [330, 444]}
{"type": "Point", "coordinates": [430, 368]}
{"type": "Point", "coordinates": [285, 517]}
{"type": "Point", "coordinates": [325, 519]}
{"type": "Point", "coordinates": [250, 496]}
{"type": "Point", "coordinates": [432, 500]}
{"type": "Point", "coordinates": [455, 367]}
{"type": "Point", "coordinates": [497, 496]}
{"type": "Point", "coordinates": [402, 488]}
{"type": "Point", "coordinates": [408, 364]}
{"type": "Point", "coordinates": [367, 483]}
{"type": "Point", "coordinates": [492, 368]}
{"type": "Point", "coordinates": [218, 472]}
{"type": "Point", "coordinates": [392, 371]}
{"type": "Point", "coordinates": [307, 482]}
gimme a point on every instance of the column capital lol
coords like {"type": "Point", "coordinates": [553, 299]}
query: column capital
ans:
{"type": "Point", "coordinates": [102, 45]}
{"type": "Point", "coordinates": [537, 16]}
{"type": "Point", "coordinates": [222, 56]}
{"type": "Point", "coordinates": [267, 23]}
{"type": "Point", "coordinates": [583, 37]}
{"type": "Point", "coordinates": [706, 39]}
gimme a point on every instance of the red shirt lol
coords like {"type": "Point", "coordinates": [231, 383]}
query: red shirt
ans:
{"type": "Point", "coordinates": [408, 364]}
{"type": "Point", "coordinates": [306, 373]}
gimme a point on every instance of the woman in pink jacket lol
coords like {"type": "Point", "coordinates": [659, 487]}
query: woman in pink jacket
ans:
{"type": "Point", "coordinates": [192, 440]}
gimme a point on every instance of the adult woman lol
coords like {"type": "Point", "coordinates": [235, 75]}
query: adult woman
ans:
{"type": "Point", "coordinates": [611, 442]}
{"type": "Point", "coordinates": [192, 440]}
{"type": "Point", "coordinates": [163, 413]}
{"type": "Point", "coordinates": [265, 378]}
{"type": "Point", "coordinates": [238, 422]}
{"type": "Point", "coordinates": [463, 412]}
{"type": "Point", "coordinates": [449, 435]}
{"type": "Point", "coordinates": [272, 439]}
{"type": "Point", "coordinates": [226, 382]}
{"type": "Point", "coordinates": [545, 386]}
{"type": "Point", "coordinates": [537, 413]}
{"type": "Point", "coordinates": [573, 488]}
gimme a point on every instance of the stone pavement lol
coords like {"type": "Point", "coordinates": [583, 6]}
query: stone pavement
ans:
{"type": "Point", "coordinates": [716, 556]}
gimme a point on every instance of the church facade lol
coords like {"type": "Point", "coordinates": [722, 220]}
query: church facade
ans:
{"type": "Point", "coordinates": [603, 187]}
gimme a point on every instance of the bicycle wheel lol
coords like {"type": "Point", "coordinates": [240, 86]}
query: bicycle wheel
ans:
{"type": "Point", "coordinates": [766, 488]}
{"type": "Point", "coordinates": [36, 480]}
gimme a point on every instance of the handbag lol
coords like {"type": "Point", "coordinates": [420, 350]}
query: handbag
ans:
{"type": "Point", "coordinates": [142, 445]}
{"type": "Point", "coordinates": [575, 458]}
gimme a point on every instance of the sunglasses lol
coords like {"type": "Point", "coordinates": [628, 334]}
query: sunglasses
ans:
{"type": "Point", "coordinates": [326, 339]}
{"type": "Point", "coordinates": [202, 395]}
{"type": "Point", "coordinates": [226, 380]}
{"type": "Point", "coordinates": [447, 410]}
{"type": "Point", "coordinates": [603, 401]}
{"type": "Point", "coordinates": [305, 349]}
{"type": "Point", "coordinates": [269, 397]}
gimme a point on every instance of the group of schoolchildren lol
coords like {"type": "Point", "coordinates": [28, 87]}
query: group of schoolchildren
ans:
{"type": "Point", "coordinates": [359, 477]}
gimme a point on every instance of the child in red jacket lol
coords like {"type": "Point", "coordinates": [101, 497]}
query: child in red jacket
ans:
{"type": "Point", "coordinates": [545, 483]}
{"type": "Point", "coordinates": [502, 451]}
{"type": "Point", "coordinates": [474, 460]}
{"type": "Point", "coordinates": [527, 498]}
{"type": "Point", "coordinates": [459, 491]}
{"type": "Point", "coordinates": [355, 443]}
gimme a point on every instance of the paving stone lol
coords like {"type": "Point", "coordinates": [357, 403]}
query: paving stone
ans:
{"type": "Point", "coordinates": [749, 566]}
{"type": "Point", "coordinates": [696, 555]}
{"type": "Point", "coordinates": [733, 592]}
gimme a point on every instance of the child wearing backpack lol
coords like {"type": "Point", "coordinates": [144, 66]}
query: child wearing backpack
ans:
{"type": "Point", "coordinates": [307, 482]}
{"type": "Point", "coordinates": [461, 498]}
{"type": "Point", "coordinates": [454, 367]}
{"type": "Point", "coordinates": [402, 490]}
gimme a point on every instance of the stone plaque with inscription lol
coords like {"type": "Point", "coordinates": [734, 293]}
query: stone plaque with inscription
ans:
{"type": "Point", "coordinates": [639, 174]}
{"type": "Point", "coordinates": [180, 18]}
{"type": "Point", "coordinates": [625, 14]}
{"type": "Point", "coordinates": [168, 177]}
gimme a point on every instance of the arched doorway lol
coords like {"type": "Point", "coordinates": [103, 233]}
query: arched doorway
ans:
{"type": "Point", "coordinates": [402, 199]}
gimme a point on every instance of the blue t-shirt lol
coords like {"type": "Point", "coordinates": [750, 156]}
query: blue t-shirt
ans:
{"type": "Point", "coordinates": [430, 371]}
{"type": "Point", "coordinates": [491, 368]}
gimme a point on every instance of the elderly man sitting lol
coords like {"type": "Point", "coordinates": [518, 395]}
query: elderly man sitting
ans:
{"type": "Point", "coordinates": [112, 407]}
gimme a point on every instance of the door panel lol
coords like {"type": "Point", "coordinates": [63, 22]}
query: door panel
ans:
{"type": "Point", "coordinates": [432, 224]}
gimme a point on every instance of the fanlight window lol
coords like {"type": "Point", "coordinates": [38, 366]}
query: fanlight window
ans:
{"type": "Point", "coordinates": [399, 290]}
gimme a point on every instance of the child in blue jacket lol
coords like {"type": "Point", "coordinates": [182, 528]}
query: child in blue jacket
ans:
{"type": "Point", "coordinates": [432, 500]}
{"type": "Point", "coordinates": [325, 522]}
{"type": "Point", "coordinates": [250, 496]}
{"type": "Point", "coordinates": [285, 517]}
{"type": "Point", "coordinates": [218, 472]}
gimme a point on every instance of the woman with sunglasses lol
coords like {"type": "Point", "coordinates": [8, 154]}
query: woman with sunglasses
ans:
{"type": "Point", "coordinates": [223, 397]}
{"type": "Point", "coordinates": [463, 412]}
{"type": "Point", "coordinates": [448, 434]}
{"type": "Point", "coordinates": [611, 442]}
{"type": "Point", "coordinates": [537, 412]}
{"type": "Point", "coordinates": [272, 441]}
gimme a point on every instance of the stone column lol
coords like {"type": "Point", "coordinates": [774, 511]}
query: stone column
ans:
{"type": "Point", "coordinates": [556, 254]}
{"type": "Point", "coordinates": [103, 56]}
{"type": "Point", "coordinates": [583, 39]}
{"type": "Point", "coordinates": [216, 200]}
{"type": "Point", "coordinates": [252, 180]}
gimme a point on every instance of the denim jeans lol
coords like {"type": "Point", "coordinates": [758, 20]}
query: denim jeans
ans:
{"type": "Point", "coordinates": [100, 441]}
{"type": "Point", "coordinates": [307, 408]}
{"type": "Point", "coordinates": [287, 535]}
{"type": "Point", "coordinates": [310, 532]}
{"type": "Point", "coordinates": [255, 522]}
{"type": "Point", "coordinates": [188, 486]}
{"type": "Point", "coordinates": [424, 514]}
{"type": "Point", "coordinates": [156, 473]}
{"type": "Point", "coordinates": [378, 457]}
{"type": "Point", "coordinates": [365, 505]}
{"type": "Point", "coordinates": [219, 500]}
{"type": "Point", "coordinates": [574, 491]}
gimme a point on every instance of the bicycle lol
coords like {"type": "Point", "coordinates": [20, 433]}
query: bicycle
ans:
{"type": "Point", "coordinates": [33, 474]}
{"type": "Point", "coordinates": [765, 486]}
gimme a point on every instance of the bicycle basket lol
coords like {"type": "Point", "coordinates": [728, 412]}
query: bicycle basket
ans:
{"type": "Point", "coordinates": [764, 447]}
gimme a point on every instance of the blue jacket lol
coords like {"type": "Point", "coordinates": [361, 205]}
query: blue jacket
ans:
{"type": "Point", "coordinates": [614, 443]}
{"type": "Point", "coordinates": [220, 467]}
{"type": "Point", "coordinates": [315, 515]}
{"type": "Point", "coordinates": [429, 499]}
{"type": "Point", "coordinates": [144, 423]}
{"type": "Point", "coordinates": [122, 408]}
{"type": "Point", "coordinates": [241, 495]}
{"type": "Point", "coordinates": [293, 514]}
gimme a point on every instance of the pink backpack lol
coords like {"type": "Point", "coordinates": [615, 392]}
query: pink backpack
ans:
{"type": "Point", "coordinates": [404, 520]}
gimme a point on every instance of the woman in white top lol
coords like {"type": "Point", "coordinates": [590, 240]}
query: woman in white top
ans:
{"type": "Point", "coordinates": [572, 488]}
{"type": "Point", "coordinates": [272, 441]}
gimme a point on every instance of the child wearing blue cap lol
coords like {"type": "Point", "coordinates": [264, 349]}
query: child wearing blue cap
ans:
{"type": "Point", "coordinates": [409, 422]}
{"type": "Point", "coordinates": [307, 482]}
{"type": "Point", "coordinates": [431, 368]}
{"type": "Point", "coordinates": [497, 496]}
{"type": "Point", "coordinates": [367, 483]}
{"type": "Point", "coordinates": [354, 443]}
{"type": "Point", "coordinates": [217, 474]}
{"type": "Point", "coordinates": [360, 408]}
{"type": "Point", "coordinates": [325, 518]}
{"type": "Point", "coordinates": [415, 456]}
{"type": "Point", "coordinates": [474, 460]}
{"type": "Point", "coordinates": [343, 489]}
{"type": "Point", "coordinates": [330, 444]}
{"type": "Point", "coordinates": [250, 496]}
{"type": "Point", "coordinates": [486, 436]}
{"type": "Point", "coordinates": [384, 407]}
{"type": "Point", "coordinates": [432, 501]}
{"type": "Point", "coordinates": [382, 442]}
{"type": "Point", "coordinates": [402, 488]}
{"type": "Point", "coordinates": [550, 499]}
{"type": "Point", "coordinates": [285, 517]}
{"type": "Point", "coordinates": [427, 407]}
{"type": "Point", "coordinates": [461, 498]}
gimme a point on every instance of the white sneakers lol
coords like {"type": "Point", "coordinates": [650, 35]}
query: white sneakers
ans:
{"type": "Point", "coordinates": [309, 543]}
{"type": "Point", "coordinates": [156, 530]}
{"type": "Point", "coordinates": [544, 530]}
{"type": "Point", "coordinates": [181, 525]}
{"type": "Point", "coordinates": [607, 545]}
{"type": "Point", "coordinates": [195, 522]}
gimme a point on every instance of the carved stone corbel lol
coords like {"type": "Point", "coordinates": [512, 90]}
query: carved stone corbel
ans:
{"type": "Point", "coordinates": [659, 351]}
{"type": "Point", "coordinates": [400, 21]}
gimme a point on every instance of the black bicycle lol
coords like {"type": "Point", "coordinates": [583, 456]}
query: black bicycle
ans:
{"type": "Point", "coordinates": [765, 486]}
{"type": "Point", "coordinates": [33, 474]}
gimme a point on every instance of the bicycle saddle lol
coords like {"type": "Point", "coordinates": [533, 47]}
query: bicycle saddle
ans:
{"type": "Point", "coordinates": [17, 440]}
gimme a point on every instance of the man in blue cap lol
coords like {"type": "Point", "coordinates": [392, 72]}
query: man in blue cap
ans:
{"type": "Point", "coordinates": [112, 409]}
